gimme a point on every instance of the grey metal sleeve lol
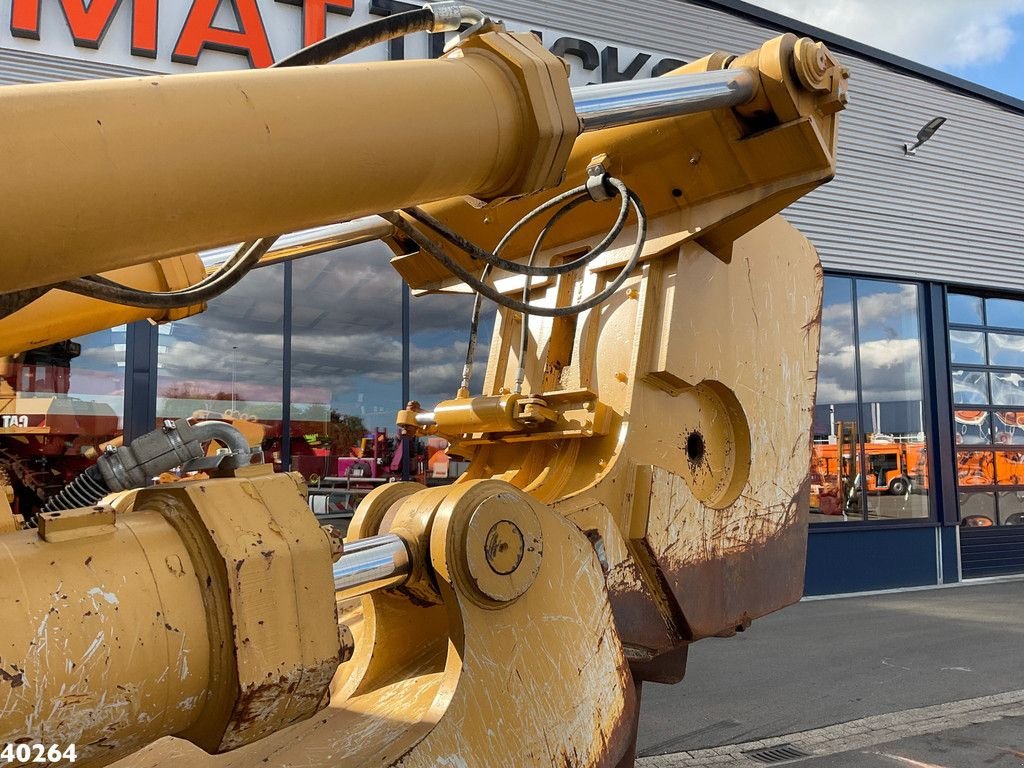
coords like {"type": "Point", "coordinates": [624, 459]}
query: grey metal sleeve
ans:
{"type": "Point", "coordinates": [176, 443]}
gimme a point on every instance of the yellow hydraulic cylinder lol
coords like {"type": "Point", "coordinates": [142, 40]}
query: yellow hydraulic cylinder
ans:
{"type": "Point", "coordinates": [202, 610]}
{"type": "Point", "coordinates": [101, 175]}
{"type": "Point", "coordinates": [119, 600]}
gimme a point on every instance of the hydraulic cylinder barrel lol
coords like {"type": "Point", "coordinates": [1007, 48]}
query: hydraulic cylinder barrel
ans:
{"type": "Point", "coordinates": [101, 175]}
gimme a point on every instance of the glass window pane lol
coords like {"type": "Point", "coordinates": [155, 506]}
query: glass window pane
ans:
{"type": "Point", "coordinates": [1003, 349]}
{"type": "Point", "coordinates": [836, 488]}
{"type": "Point", "coordinates": [227, 361]}
{"type": "Point", "coordinates": [1010, 467]}
{"type": "Point", "coordinates": [964, 310]}
{"type": "Point", "coordinates": [440, 337]}
{"type": "Point", "coordinates": [972, 427]}
{"type": "Point", "coordinates": [975, 468]}
{"type": "Point", "coordinates": [1007, 388]}
{"type": "Point", "coordinates": [892, 393]}
{"type": "Point", "coordinates": [346, 364]}
{"type": "Point", "coordinates": [977, 510]}
{"type": "Point", "coordinates": [967, 347]}
{"type": "Point", "coordinates": [1011, 508]}
{"type": "Point", "coordinates": [896, 480]}
{"type": "Point", "coordinates": [60, 404]}
{"type": "Point", "coordinates": [1004, 313]}
{"type": "Point", "coordinates": [1009, 427]}
{"type": "Point", "coordinates": [835, 462]}
{"type": "Point", "coordinates": [970, 387]}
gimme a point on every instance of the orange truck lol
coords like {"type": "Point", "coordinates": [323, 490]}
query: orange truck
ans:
{"type": "Point", "coordinates": [896, 468]}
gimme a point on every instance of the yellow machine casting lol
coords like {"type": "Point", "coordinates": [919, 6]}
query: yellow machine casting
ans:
{"type": "Point", "coordinates": [638, 475]}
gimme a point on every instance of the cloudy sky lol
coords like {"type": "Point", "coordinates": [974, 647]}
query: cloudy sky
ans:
{"type": "Point", "coordinates": [980, 40]}
{"type": "Point", "coordinates": [890, 354]}
{"type": "Point", "coordinates": [346, 347]}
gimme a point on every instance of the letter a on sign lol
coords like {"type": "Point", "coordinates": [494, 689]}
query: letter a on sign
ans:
{"type": "Point", "coordinates": [89, 23]}
{"type": "Point", "coordinates": [199, 33]}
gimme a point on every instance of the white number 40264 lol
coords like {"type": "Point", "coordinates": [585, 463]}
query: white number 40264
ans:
{"type": "Point", "coordinates": [26, 754]}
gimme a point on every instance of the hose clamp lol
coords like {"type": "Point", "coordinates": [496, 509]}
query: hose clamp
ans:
{"type": "Point", "coordinates": [597, 183]}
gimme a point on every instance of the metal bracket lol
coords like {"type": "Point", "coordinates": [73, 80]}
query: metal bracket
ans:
{"type": "Point", "coordinates": [597, 183]}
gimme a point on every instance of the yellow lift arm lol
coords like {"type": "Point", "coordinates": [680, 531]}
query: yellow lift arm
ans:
{"type": "Point", "coordinates": [639, 454]}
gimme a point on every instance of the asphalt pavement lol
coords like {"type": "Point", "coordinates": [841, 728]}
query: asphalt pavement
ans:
{"type": "Point", "coordinates": [917, 678]}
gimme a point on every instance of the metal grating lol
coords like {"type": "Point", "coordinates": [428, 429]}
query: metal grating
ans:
{"type": "Point", "coordinates": [780, 753]}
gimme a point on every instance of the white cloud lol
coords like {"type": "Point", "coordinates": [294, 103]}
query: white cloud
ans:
{"type": "Point", "coordinates": [948, 34]}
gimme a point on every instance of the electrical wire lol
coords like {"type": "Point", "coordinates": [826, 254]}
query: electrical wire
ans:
{"type": "Point", "coordinates": [515, 267]}
{"type": "Point", "coordinates": [570, 200]}
{"type": "Point", "coordinates": [524, 338]}
{"type": "Point", "coordinates": [474, 330]}
{"type": "Point", "coordinates": [438, 252]}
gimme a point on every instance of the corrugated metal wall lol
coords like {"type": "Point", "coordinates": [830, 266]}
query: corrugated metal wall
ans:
{"type": "Point", "coordinates": [953, 213]}
{"type": "Point", "coordinates": [27, 67]}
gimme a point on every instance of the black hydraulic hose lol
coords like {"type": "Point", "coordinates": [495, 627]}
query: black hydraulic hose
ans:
{"type": "Point", "coordinates": [249, 254]}
{"type": "Point", "coordinates": [209, 288]}
{"type": "Point", "coordinates": [12, 302]}
{"type": "Point", "coordinates": [379, 31]}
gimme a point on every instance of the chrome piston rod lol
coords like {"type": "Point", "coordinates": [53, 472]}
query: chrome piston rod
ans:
{"type": "Point", "coordinates": [598, 106]}
{"type": "Point", "coordinates": [609, 105]}
{"type": "Point", "coordinates": [378, 562]}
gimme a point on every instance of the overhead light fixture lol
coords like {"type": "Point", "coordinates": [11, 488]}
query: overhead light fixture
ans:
{"type": "Point", "coordinates": [924, 134]}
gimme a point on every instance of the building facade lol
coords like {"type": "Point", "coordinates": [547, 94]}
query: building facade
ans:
{"type": "Point", "coordinates": [918, 459]}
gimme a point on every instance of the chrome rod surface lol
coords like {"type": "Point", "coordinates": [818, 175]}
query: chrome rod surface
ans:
{"type": "Point", "coordinates": [369, 564]}
{"type": "Point", "coordinates": [308, 242]}
{"type": "Point", "coordinates": [636, 101]}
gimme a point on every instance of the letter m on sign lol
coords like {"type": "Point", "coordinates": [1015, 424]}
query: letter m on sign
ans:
{"type": "Point", "coordinates": [89, 20]}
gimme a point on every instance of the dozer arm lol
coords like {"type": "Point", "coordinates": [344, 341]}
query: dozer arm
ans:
{"type": "Point", "coordinates": [638, 466]}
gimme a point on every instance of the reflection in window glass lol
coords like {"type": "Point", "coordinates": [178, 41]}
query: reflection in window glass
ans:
{"type": "Point", "coordinates": [967, 347]}
{"type": "Point", "coordinates": [835, 491]}
{"type": "Point", "coordinates": [60, 403]}
{"type": "Point", "coordinates": [1011, 508]}
{"type": "Point", "coordinates": [976, 468]}
{"type": "Point", "coordinates": [972, 427]}
{"type": "Point", "coordinates": [1004, 349]}
{"type": "Point", "coordinates": [1010, 467]}
{"type": "Point", "coordinates": [892, 394]}
{"type": "Point", "coordinates": [346, 364]}
{"type": "Point", "coordinates": [970, 387]}
{"type": "Point", "coordinates": [1007, 388]}
{"type": "Point", "coordinates": [1009, 427]}
{"type": "Point", "coordinates": [964, 310]}
{"type": "Point", "coordinates": [226, 363]}
{"type": "Point", "coordinates": [1004, 313]}
{"type": "Point", "coordinates": [978, 510]}
{"type": "Point", "coordinates": [870, 457]}
{"type": "Point", "coordinates": [997, 424]}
